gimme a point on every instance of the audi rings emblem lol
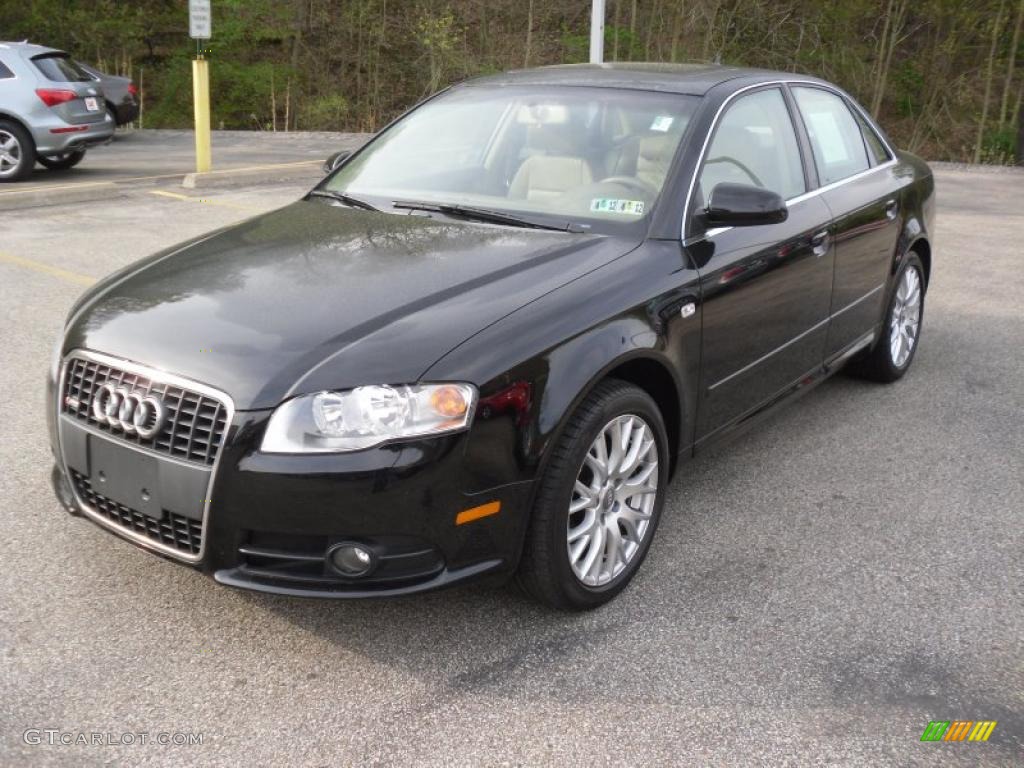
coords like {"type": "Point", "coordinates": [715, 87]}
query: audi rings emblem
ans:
{"type": "Point", "coordinates": [128, 410]}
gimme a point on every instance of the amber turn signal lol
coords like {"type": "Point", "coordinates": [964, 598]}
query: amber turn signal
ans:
{"type": "Point", "coordinates": [484, 510]}
{"type": "Point", "coordinates": [449, 402]}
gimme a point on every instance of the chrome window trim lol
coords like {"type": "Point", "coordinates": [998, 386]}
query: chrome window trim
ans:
{"type": "Point", "coordinates": [799, 198]}
{"type": "Point", "coordinates": [163, 377]}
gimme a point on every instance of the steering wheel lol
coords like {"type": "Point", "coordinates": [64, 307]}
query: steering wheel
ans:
{"type": "Point", "coordinates": [738, 164]}
{"type": "Point", "coordinates": [633, 182]}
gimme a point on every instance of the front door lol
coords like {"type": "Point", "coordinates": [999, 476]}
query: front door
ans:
{"type": "Point", "coordinates": [766, 289]}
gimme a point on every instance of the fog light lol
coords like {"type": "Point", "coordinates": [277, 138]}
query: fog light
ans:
{"type": "Point", "coordinates": [350, 559]}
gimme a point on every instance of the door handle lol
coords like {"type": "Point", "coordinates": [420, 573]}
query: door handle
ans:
{"type": "Point", "coordinates": [819, 243]}
{"type": "Point", "coordinates": [891, 208]}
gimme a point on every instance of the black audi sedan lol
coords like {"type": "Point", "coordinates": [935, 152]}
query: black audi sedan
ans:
{"type": "Point", "coordinates": [486, 341]}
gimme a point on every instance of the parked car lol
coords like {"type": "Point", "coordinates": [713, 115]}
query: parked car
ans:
{"type": "Point", "coordinates": [485, 341]}
{"type": "Point", "coordinates": [120, 94]}
{"type": "Point", "coordinates": [51, 110]}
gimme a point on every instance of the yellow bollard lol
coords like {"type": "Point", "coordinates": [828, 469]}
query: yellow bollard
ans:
{"type": "Point", "coordinates": [201, 103]}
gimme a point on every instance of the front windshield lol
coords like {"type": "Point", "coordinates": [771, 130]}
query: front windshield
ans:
{"type": "Point", "coordinates": [594, 157]}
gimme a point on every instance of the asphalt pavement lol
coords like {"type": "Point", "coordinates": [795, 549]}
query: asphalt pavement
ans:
{"type": "Point", "coordinates": [817, 593]}
{"type": "Point", "coordinates": [152, 155]}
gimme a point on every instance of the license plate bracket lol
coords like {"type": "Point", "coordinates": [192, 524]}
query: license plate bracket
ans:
{"type": "Point", "coordinates": [126, 476]}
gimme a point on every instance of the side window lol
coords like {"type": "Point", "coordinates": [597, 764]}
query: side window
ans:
{"type": "Point", "coordinates": [5, 73]}
{"type": "Point", "coordinates": [755, 144]}
{"type": "Point", "coordinates": [879, 154]}
{"type": "Point", "coordinates": [835, 136]}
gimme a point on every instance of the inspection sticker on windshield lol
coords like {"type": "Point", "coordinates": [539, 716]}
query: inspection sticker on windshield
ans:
{"type": "Point", "coordinates": [610, 205]}
{"type": "Point", "coordinates": [661, 123]}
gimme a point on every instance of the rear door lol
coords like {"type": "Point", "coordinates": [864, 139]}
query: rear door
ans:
{"type": "Point", "coordinates": [8, 81]}
{"type": "Point", "coordinates": [766, 289]}
{"type": "Point", "coordinates": [855, 170]}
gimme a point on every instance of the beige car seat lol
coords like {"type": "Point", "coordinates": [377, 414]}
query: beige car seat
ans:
{"type": "Point", "coordinates": [653, 159]}
{"type": "Point", "coordinates": [554, 169]}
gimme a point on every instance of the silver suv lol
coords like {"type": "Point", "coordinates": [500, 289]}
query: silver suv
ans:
{"type": "Point", "coordinates": [51, 110]}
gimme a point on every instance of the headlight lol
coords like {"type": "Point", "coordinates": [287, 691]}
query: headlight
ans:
{"type": "Point", "coordinates": [333, 422]}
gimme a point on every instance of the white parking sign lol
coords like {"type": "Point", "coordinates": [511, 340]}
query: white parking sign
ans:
{"type": "Point", "coordinates": [199, 24]}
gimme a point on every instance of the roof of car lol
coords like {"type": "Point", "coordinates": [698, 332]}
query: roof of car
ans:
{"type": "Point", "coordinates": [693, 79]}
{"type": "Point", "coordinates": [29, 48]}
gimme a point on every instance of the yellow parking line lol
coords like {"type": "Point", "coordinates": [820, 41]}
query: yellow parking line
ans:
{"type": "Point", "coordinates": [53, 187]}
{"type": "Point", "coordinates": [46, 269]}
{"type": "Point", "coordinates": [208, 201]}
{"type": "Point", "coordinates": [223, 171]}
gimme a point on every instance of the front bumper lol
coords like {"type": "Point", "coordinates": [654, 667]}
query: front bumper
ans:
{"type": "Point", "coordinates": [271, 519]}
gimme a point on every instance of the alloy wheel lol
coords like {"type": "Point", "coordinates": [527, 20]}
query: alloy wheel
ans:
{"type": "Point", "coordinates": [612, 500]}
{"type": "Point", "coordinates": [10, 154]}
{"type": "Point", "coordinates": [906, 317]}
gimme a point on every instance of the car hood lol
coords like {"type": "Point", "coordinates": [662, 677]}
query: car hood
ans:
{"type": "Point", "coordinates": [316, 296]}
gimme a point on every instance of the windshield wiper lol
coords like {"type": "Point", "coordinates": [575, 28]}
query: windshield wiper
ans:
{"type": "Point", "coordinates": [471, 213]}
{"type": "Point", "coordinates": [341, 197]}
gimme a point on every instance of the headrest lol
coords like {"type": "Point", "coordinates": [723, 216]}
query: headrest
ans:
{"type": "Point", "coordinates": [657, 149]}
{"type": "Point", "coordinates": [542, 114]}
{"type": "Point", "coordinates": [552, 139]}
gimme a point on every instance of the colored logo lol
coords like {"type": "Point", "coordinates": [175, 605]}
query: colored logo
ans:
{"type": "Point", "coordinates": [958, 730]}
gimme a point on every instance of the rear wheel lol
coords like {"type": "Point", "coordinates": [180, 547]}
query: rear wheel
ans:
{"type": "Point", "coordinates": [62, 161]}
{"type": "Point", "coordinates": [599, 500]}
{"type": "Point", "coordinates": [901, 330]}
{"type": "Point", "coordinates": [17, 153]}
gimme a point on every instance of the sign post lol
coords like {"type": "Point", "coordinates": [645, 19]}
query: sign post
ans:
{"type": "Point", "coordinates": [597, 32]}
{"type": "Point", "coordinates": [199, 29]}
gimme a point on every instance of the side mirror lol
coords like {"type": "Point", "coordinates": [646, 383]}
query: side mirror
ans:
{"type": "Point", "coordinates": [335, 160]}
{"type": "Point", "coordinates": [743, 205]}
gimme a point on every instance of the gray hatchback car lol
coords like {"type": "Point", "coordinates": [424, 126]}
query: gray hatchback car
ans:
{"type": "Point", "coordinates": [51, 110]}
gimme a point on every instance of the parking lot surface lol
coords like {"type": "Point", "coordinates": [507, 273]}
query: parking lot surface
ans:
{"type": "Point", "coordinates": [817, 592]}
{"type": "Point", "coordinates": [151, 155]}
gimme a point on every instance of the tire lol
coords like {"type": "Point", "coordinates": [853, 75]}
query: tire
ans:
{"type": "Point", "coordinates": [62, 162]}
{"type": "Point", "coordinates": [889, 360]}
{"type": "Point", "coordinates": [547, 571]}
{"type": "Point", "coordinates": [17, 152]}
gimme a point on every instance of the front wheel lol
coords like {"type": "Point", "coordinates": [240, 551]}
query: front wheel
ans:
{"type": "Point", "coordinates": [599, 500]}
{"type": "Point", "coordinates": [901, 329]}
{"type": "Point", "coordinates": [63, 161]}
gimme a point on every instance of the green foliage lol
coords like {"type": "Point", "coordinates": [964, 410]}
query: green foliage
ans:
{"type": "Point", "coordinates": [999, 146]}
{"type": "Point", "coordinates": [325, 113]}
{"type": "Point", "coordinates": [355, 64]}
{"type": "Point", "coordinates": [907, 89]}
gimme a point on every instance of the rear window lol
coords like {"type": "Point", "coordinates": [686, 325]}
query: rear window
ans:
{"type": "Point", "coordinates": [60, 69]}
{"type": "Point", "coordinates": [5, 72]}
{"type": "Point", "coordinates": [879, 154]}
{"type": "Point", "coordinates": [836, 140]}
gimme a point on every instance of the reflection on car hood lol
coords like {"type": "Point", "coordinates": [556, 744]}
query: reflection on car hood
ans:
{"type": "Point", "coordinates": [315, 296]}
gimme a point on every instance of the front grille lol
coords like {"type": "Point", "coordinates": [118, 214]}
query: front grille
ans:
{"type": "Point", "coordinates": [173, 530]}
{"type": "Point", "coordinates": [195, 424]}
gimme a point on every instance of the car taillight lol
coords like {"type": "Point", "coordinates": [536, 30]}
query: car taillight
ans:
{"type": "Point", "coordinates": [52, 97]}
{"type": "Point", "coordinates": [133, 89]}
